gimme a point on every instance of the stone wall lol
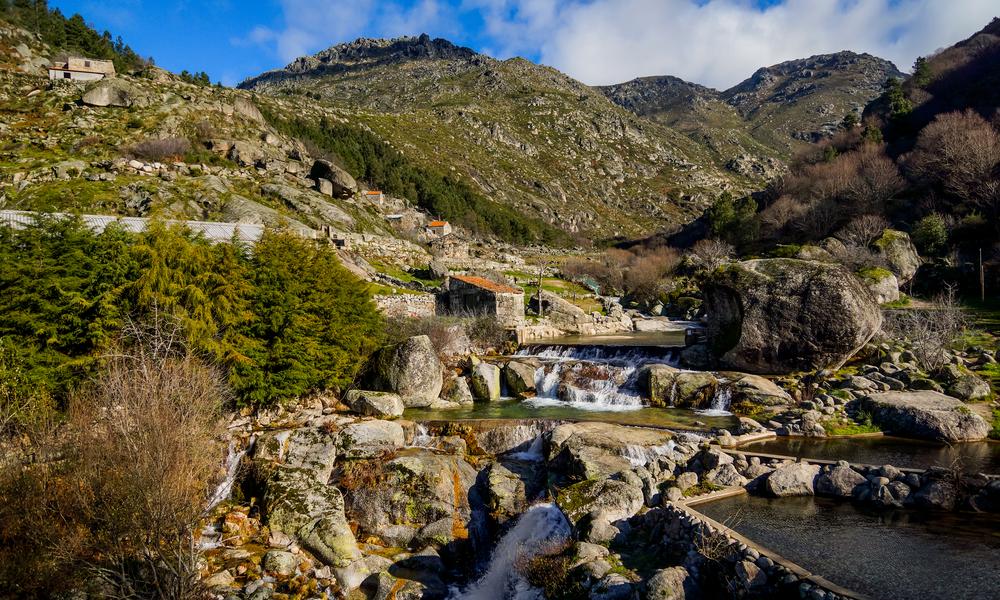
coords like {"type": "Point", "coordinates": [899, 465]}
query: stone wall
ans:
{"type": "Point", "coordinates": [714, 556]}
{"type": "Point", "coordinates": [510, 308]}
{"type": "Point", "coordinates": [407, 305]}
{"type": "Point", "coordinates": [381, 248]}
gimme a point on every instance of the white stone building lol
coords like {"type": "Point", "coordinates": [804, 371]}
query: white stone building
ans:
{"type": "Point", "coordinates": [74, 68]}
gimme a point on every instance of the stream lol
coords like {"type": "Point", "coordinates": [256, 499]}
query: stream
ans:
{"type": "Point", "coordinates": [896, 555]}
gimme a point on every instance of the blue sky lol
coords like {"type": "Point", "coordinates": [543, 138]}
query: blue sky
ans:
{"type": "Point", "coordinates": [713, 42]}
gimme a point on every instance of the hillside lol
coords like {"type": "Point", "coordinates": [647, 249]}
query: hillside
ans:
{"type": "Point", "coordinates": [779, 108]}
{"type": "Point", "coordinates": [526, 135]}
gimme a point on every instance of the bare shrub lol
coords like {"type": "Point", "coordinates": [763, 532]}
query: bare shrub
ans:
{"type": "Point", "coordinates": [712, 254]}
{"type": "Point", "coordinates": [930, 332]}
{"type": "Point", "coordinates": [204, 130]}
{"type": "Point", "coordinates": [959, 152]}
{"type": "Point", "coordinates": [863, 230]}
{"type": "Point", "coordinates": [161, 149]}
{"type": "Point", "coordinates": [780, 214]}
{"type": "Point", "coordinates": [141, 448]}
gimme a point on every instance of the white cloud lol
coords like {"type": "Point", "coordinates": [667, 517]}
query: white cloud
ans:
{"type": "Point", "coordinates": [713, 42]}
{"type": "Point", "coordinates": [721, 42]}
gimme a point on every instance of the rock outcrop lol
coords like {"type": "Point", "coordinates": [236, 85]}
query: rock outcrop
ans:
{"type": "Point", "coordinates": [411, 369]}
{"type": "Point", "coordinates": [340, 182]}
{"type": "Point", "coordinates": [793, 479]}
{"type": "Point", "coordinates": [927, 415]}
{"type": "Point", "coordinates": [781, 315]}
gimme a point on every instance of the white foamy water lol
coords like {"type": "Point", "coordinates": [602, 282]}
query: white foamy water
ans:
{"type": "Point", "coordinates": [721, 402]}
{"type": "Point", "coordinates": [422, 438]}
{"type": "Point", "coordinates": [640, 456]}
{"type": "Point", "coordinates": [541, 529]}
{"type": "Point", "coordinates": [534, 453]}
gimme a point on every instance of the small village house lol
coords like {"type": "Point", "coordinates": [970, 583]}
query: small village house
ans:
{"type": "Point", "coordinates": [373, 196]}
{"type": "Point", "coordinates": [439, 228]}
{"type": "Point", "coordinates": [74, 68]}
{"type": "Point", "coordinates": [468, 294]}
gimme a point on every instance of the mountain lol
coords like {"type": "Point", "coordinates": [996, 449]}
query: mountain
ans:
{"type": "Point", "coordinates": [526, 135]}
{"type": "Point", "coordinates": [778, 109]}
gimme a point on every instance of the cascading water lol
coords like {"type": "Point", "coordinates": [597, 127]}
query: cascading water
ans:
{"type": "Point", "coordinates": [534, 453]}
{"type": "Point", "coordinates": [422, 438]}
{"type": "Point", "coordinates": [721, 402]}
{"type": "Point", "coordinates": [592, 377]}
{"type": "Point", "coordinates": [542, 529]}
{"type": "Point", "coordinates": [211, 535]}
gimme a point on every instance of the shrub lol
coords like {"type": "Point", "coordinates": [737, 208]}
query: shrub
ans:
{"type": "Point", "coordinates": [25, 409]}
{"type": "Point", "coordinates": [930, 235]}
{"type": "Point", "coordinates": [929, 333]}
{"type": "Point", "coordinates": [733, 219]}
{"type": "Point", "coordinates": [160, 149]}
{"type": "Point", "coordinates": [312, 325]}
{"type": "Point", "coordinates": [712, 254]}
{"type": "Point", "coordinates": [119, 511]}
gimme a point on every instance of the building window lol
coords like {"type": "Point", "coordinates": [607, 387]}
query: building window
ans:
{"type": "Point", "coordinates": [67, 75]}
{"type": "Point", "coordinates": [86, 63]}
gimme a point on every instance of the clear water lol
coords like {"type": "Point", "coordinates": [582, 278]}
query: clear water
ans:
{"type": "Point", "coordinates": [975, 457]}
{"type": "Point", "coordinates": [555, 410]}
{"type": "Point", "coordinates": [895, 555]}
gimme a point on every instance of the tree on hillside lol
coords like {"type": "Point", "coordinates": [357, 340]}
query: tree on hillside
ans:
{"type": "Point", "coordinates": [733, 219]}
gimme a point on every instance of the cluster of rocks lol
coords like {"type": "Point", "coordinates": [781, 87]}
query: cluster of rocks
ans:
{"type": "Point", "coordinates": [884, 487]}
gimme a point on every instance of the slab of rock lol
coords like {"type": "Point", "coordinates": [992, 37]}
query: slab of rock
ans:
{"type": "Point", "coordinates": [411, 369]}
{"type": "Point", "coordinates": [927, 415]}
{"type": "Point", "coordinates": [370, 438]}
{"type": "Point", "coordinates": [374, 404]}
{"type": "Point", "coordinates": [459, 391]}
{"type": "Point", "coordinates": [594, 450]}
{"type": "Point", "coordinates": [793, 479]}
{"type": "Point", "coordinates": [603, 499]}
{"type": "Point", "coordinates": [773, 316]}
{"type": "Point", "coordinates": [112, 92]}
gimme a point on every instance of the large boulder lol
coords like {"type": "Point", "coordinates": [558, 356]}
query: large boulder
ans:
{"type": "Point", "coordinates": [668, 386]}
{"type": "Point", "coordinates": [558, 310]}
{"type": "Point", "coordinates": [925, 414]}
{"type": "Point", "coordinates": [899, 254]}
{"type": "Point", "coordinates": [793, 479]}
{"type": "Point", "coordinates": [599, 499]}
{"type": "Point", "coordinates": [423, 491]}
{"type": "Point", "coordinates": [112, 92]}
{"type": "Point", "coordinates": [342, 185]}
{"type": "Point", "coordinates": [838, 481]}
{"type": "Point", "coordinates": [782, 315]}
{"type": "Point", "coordinates": [411, 369]}
{"type": "Point", "coordinates": [667, 584]}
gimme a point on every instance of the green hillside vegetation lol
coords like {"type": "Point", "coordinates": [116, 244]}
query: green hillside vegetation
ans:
{"type": "Point", "coordinates": [281, 321]}
{"type": "Point", "coordinates": [369, 158]}
{"type": "Point", "coordinates": [69, 34]}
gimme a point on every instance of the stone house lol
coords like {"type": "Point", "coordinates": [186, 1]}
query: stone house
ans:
{"type": "Point", "coordinates": [373, 196]}
{"type": "Point", "coordinates": [439, 228]}
{"type": "Point", "coordinates": [468, 294]}
{"type": "Point", "coordinates": [450, 246]}
{"type": "Point", "coordinates": [74, 68]}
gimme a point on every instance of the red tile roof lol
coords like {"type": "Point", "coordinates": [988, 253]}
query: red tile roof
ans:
{"type": "Point", "coordinates": [486, 284]}
{"type": "Point", "coordinates": [438, 223]}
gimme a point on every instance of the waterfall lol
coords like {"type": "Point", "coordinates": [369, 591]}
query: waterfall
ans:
{"type": "Point", "coordinates": [542, 529]}
{"type": "Point", "coordinates": [720, 402]}
{"type": "Point", "coordinates": [534, 453]}
{"type": "Point", "coordinates": [422, 438]}
{"type": "Point", "coordinates": [234, 455]}
{"type": "Point", "coordinates": [619, 354]}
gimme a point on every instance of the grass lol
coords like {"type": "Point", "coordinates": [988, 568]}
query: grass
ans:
{"type": "Point", "coordinates": [840, 426]}
{"type": "Point", "coordinates": [995, 431]}
{"type": "Point", "coordinates": [904, 301]}
{"type": "Point", "coordinates": [704, 487]}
